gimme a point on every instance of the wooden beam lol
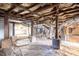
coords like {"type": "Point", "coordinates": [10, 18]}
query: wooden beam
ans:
{"type": "Point", "coordinates": [69, 11]}
{"type": "Point", "coordinates": [42, 15]}
{"type": "Point", "coordinates": [74, 6]}
{"type": "Point", "coordinates": [65, 16]}
{"type": "Point", "coordinates": [51, 19]}
{"type": "Point", "coordinates": [2, 11]}
{"type": "Point", "coordinates": [13, 6]}
{"type": "Point", "coordinates": [64, 10]}
{"type": "Point", "coordinates": [28, 10]}
{"type": "Point", "coordinates": [6, 27]}
{"type": "Point", "coordinates": [45, 15]}
{"type": "Point", "coordinates": [25, 9]}
{"type": "Point", "coordinates": [34, 12]}
{"type": "Point", "coordinates": [44, 8]}
{"type": "Point", "coordinates": [77, 6]}
{"type": "Point", "coordinates": [18, 12]}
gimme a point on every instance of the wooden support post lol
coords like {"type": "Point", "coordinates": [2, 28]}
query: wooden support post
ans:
{"type": "Point", "coordinates": [34, 32]}
{"type": "Point", "coordinates": [56, 32]}
{"type": "Point", "coordinates": [6, 43]}
{"type": "Point", "coordinates": [56, 42]}
{"type": "Point", "coordinates": [13, 28]}
{"type": "Point", "coordinates": [6, 27]}
{"type": "Point", "coordinates": [31, 28]}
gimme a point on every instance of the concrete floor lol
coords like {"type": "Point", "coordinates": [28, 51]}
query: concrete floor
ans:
{"type": "Point", "coordinates": [38, 48]}
{"type": "Point", "coordinates": [41, 47]}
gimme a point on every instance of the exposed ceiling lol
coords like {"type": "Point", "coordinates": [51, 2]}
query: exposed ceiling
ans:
{"type": "Point", "coordinates": [40, 12]}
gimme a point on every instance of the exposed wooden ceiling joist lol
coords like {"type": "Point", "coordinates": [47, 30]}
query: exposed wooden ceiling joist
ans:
{"type": "Point", "coordinates": [38, 11]}
{"type": "Point", "coordinates": [27, 9]}
{"type": "Point", "coordinates": [44, 8]}
{"type": "Point", "coordinates": [74, 6]}
{"type": "Point", "coordinates": [65, 16]}
{"type": "Point", "coordinates": [10, 9]}
{"type": "Point", "coordinates": [73, 11]}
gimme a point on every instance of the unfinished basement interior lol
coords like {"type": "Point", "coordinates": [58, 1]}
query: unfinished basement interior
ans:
{"type": "Point", "coordinates": [39, 29]}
